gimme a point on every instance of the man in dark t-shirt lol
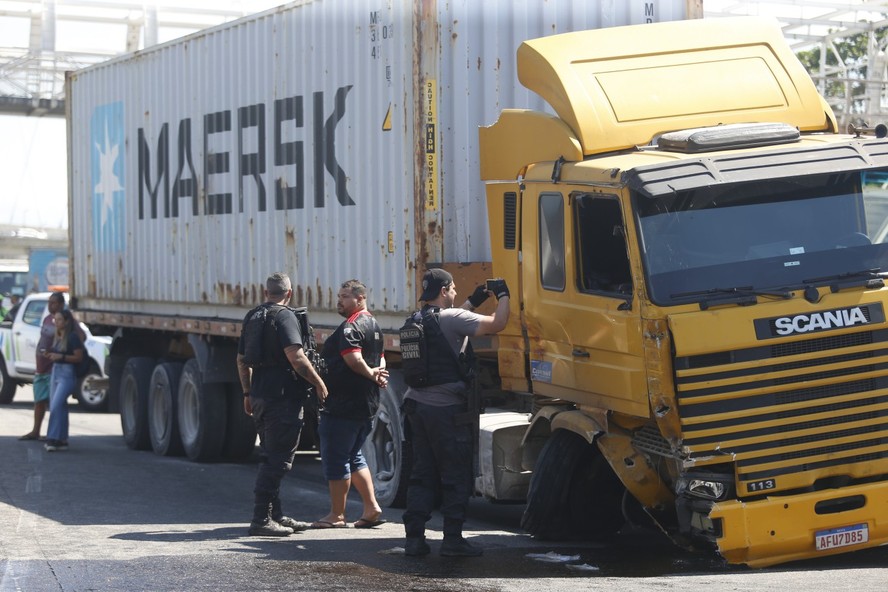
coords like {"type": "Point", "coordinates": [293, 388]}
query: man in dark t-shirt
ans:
{"type": "Point", "coordinates": [355, 371]}
{"type": "Point", "coordinates": [274, 397]}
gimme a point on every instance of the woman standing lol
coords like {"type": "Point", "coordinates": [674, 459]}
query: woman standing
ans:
{"type": "Point", "coordinates": [67, 351]}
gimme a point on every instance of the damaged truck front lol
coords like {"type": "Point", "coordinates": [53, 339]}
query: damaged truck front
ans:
{"type": "Point", "coordinates": [699, 256]}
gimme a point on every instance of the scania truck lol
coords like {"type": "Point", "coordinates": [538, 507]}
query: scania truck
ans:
{"type": "Point", "coordinates": [694, 250]}
{"type": "Point", "coordinates": [700, 260]}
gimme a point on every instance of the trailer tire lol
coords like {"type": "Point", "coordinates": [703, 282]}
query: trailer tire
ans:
{"type": "Point", "coordinates": [7, 385]}
{"type": "Point", "coordinates": [202, 412]}
{"type": "Point", "coordinates": [134, 384]}
{"type": "Point", "coordinates": [574, 493]}
{"type": "Point", "coordinates": [240, 431]}
{"type": "Point", "coordinates": [388, 455]}
{"type": "Point", "coordinates": [163, 409]}
{"type": "Point", "coordinates": [91, 398]}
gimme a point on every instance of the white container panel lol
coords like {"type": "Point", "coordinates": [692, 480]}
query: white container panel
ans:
{"type": "Point", "coordinates": [211, 102]}
{"type": "Point", "coordinates": [478, 69]}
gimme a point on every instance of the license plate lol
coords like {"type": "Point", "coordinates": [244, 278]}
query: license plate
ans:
{"type": "Point", "coordinates": [841, 537]}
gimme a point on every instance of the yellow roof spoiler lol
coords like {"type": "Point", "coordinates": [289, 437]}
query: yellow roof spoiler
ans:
{"type": "Point", "coordinates": [620, 87]}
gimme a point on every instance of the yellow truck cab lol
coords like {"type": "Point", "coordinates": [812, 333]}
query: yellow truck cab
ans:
{"type": "Point", "coordinates": [697, 258]}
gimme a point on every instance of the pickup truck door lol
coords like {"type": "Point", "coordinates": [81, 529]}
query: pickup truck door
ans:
{"type": "Point", "coordinates": [584, 331]}
{"type": "Point", "coordinates": [26, 334]}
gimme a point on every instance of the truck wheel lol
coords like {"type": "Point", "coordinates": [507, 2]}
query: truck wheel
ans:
{"type": "Point", "coordinates": [134, 385]}
{"type": "Point", "coordinates": [7, 385]}
{"type": "Point", "coordinates": [240, 431]}
{"type": "Point", "coordinates": [387, 454]}
{"type": "Point", "coordinates": [202, 411]}
{"type": "Point", "coordinates": [574, 493]}
{"type": "Point", "coordinates": [163, 423]}
{"type": "Point", "coordinates": [90, 397]}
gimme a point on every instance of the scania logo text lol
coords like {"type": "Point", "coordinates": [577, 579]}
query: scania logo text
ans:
{"type": "Point", "coordinates": [821, 320]}
{"type": "Point", "coordinates": [818, 321]}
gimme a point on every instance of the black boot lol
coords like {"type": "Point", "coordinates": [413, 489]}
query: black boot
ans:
{"type": "Point", "coordinates": [416, 547]}
{"type": "Point", "coordinates": [278, 516]}
{"type": "Point", "coordinates": [454, 545]}
{"type": "Point", "coordinates": [457, 546]}
{"type": "Point", "coordinates": [263, 525]}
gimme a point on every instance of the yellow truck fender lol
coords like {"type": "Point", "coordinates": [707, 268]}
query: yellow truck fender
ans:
{"type": "Point", "coordinates": [586, 424]}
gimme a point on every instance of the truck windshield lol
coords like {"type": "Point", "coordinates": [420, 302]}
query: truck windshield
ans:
{"type": "Point", "coordinates": [776, 234]}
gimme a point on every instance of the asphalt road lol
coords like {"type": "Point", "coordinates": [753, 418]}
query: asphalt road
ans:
{"type": "Point", "coordinates": [102, 517]}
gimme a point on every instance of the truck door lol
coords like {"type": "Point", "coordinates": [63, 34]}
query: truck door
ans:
{"type": "Point", "coordinates": [26, 334]}
{"type": "Point", "coordinates": [584, 330]}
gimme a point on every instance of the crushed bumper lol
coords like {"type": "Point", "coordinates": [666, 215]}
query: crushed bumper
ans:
{"type": "Point", "coordinates": [780, 529]}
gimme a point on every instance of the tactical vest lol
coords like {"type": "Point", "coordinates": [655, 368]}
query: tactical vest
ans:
{"type": "Point", "coordinates": [440, 363]}
{"type": "Point", "coordinates": [261, 345]}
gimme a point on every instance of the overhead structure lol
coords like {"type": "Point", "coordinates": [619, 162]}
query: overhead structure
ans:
{"type": "Point", "coordinates": [42, 39]}
{"type": "Point", "coordinates": [854, 86]}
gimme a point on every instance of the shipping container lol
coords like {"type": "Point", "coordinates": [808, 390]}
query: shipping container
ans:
{"type": "Point", "coordinates": [328, 139]}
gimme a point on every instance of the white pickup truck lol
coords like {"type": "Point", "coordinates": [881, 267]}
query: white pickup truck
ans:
{"type": "Point", "coordinates": [19, 335]}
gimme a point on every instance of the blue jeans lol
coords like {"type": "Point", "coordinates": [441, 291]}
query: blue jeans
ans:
{"type": "Point", "coordinates": [341, 441]}
{"type": "Point", "coordinates": [63, 383]}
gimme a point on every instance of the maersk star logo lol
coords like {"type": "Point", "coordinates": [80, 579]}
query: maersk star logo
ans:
{"type": "Point", "coordinates": [109, 194]}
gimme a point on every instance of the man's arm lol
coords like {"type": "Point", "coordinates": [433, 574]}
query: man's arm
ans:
{"type": "Point", "coordinates": [490, 324]}
{"type": "Point", "coordinates": [301, 364]}
{"type": "Point", "coordinates": [245, 373]}
{"type": "Point", "coordinates": [356, 363]}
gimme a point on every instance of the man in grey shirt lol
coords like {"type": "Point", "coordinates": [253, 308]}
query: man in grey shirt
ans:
{"type": "Point", "coordinates": [442, 444]}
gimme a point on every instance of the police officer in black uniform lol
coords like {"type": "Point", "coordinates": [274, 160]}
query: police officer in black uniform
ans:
{"type": "Point", "coordinates": [436, 414]}
{"type": "Point", "coordinates": [274, 396]}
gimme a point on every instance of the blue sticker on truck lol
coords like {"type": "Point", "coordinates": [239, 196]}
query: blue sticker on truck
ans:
{"type": "Point", "coordinates": [541, 371]}
{"type": "Point", "coordinates": [108, 180]}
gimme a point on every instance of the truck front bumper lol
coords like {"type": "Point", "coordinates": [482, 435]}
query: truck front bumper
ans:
{"type": "Point", "coordinates": [780, 529]}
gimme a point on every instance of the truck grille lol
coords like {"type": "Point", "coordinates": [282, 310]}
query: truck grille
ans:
{"type": "Point", "coordinates": [788, 415]}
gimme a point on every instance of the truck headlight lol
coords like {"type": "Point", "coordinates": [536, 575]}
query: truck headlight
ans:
{"type": "Point", "coordinates": [707, 489]}
{"type": "Point", "coordinates": [705, 486]}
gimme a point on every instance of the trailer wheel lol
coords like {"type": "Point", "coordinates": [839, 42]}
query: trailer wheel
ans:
{"type": "Point", "coordinates": [387, 454]}
{"type": "Point", "coordinates": [91, 397]}
{"type": "Point", "coordinates": [163, 422]}
{"type": "Point", "coordinates": [134, 385]}
{"type": "Point", "coordinates": [202, 412]}
{"type": "Point", "coordinates": [240, 431]}
{"type": "Point", "coordinates": [7, 385]}
{"type": "Point", "coordinates": [574, 493]}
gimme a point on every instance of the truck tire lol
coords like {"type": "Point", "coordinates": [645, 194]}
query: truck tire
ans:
{"type": "Point", "coordinates": [574, 494]}
{"type": "Point", "coordinates": [163, 409]}
{"type": "Point", "coordinates": [240, 431]}
{"type": "Point", "coordinates": [202, 413]}
{"type": "Point", "coordinates": [7, 385]}
{"type": "Point", "coordinates": [387, 454]}
{"type": "Point", "coordinates": [134, 384]}
{"type": "Point", "coordinates": [90, 397]}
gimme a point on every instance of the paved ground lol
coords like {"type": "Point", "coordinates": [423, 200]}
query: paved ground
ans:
{"type": "Point", "coordinates": [102, 517]}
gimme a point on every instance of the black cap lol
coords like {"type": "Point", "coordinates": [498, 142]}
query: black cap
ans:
{"type": "Point", "coordinates": [432, 282]}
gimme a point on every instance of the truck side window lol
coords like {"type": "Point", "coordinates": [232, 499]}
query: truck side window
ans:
{"type": "Point", "coordinates": [552, 241]}
{"type": "Point", "coordinates": [33, 314]}
{"type": "Point", "coordinates": [602, 259]}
